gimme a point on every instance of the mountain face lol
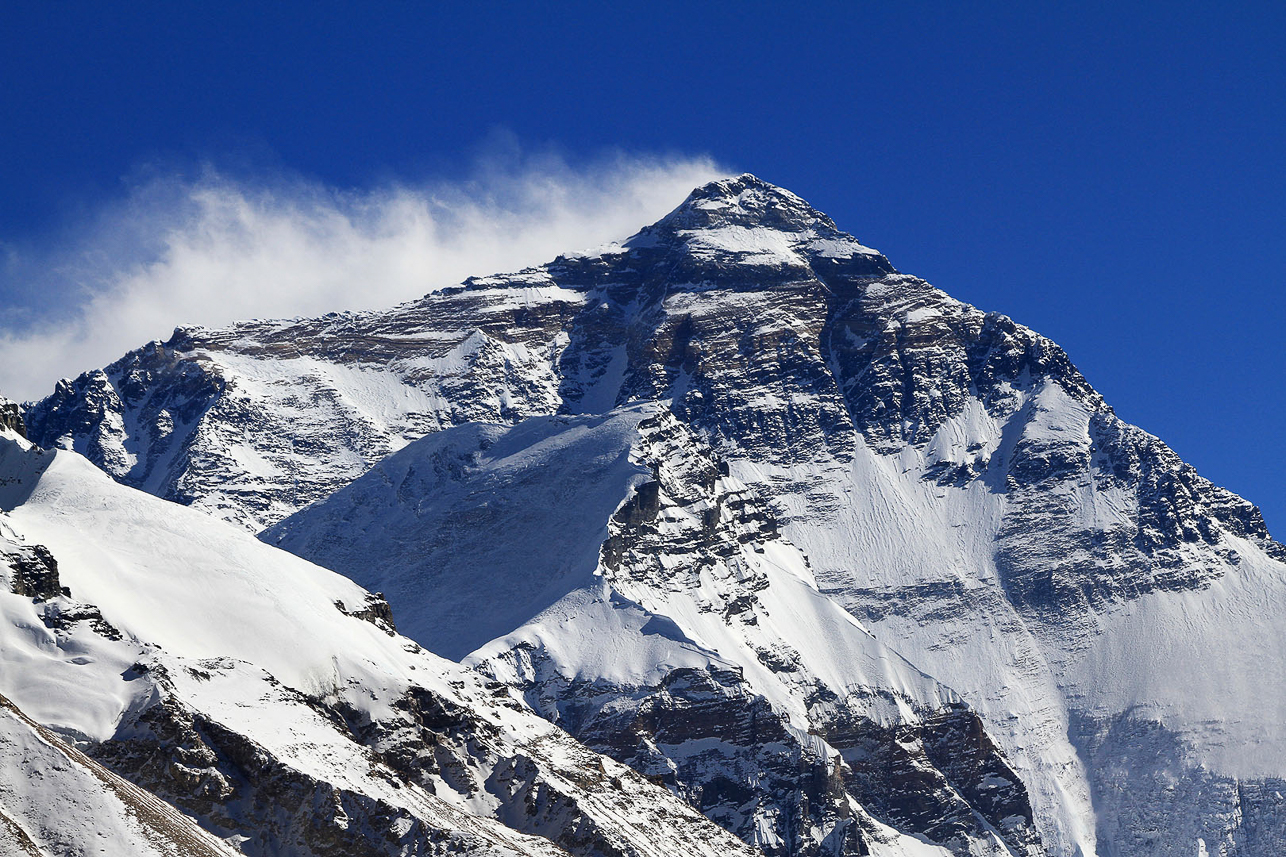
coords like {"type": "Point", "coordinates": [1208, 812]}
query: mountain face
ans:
{"type": "Point", "coordinates": [169, 685]}
{"type": "Point", "coordinates": [635, 485]}
{"type": "Point", "coordinates": [662, 620]}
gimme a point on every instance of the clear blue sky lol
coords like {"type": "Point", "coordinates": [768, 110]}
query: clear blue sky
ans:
{"type": "Point", "coordinates": [1112, 175]}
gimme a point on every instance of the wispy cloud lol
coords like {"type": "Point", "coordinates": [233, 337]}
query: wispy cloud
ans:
{"type": "Point", "coordinates": [215, 249]}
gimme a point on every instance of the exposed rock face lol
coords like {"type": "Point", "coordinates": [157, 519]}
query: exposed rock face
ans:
{"type": "Point", "coordinates": [376, 610]}
{"type": "Point", "coordinates": [56, 800]}
{"type": "Point", "coordinates": [951, 478]}
{"type": "Point", "coordinates": [11, 417]}
{"type": "Point", "coordinates": [194, 417]}
{"type": "Point", "coordinates": [698, 524]}
{"type": "Point", "coordinates": [730, 755]}
{"type": "Point", "coordinates": [915, 367]}
{"type": "Point", "coordinates": [33, 572]}
{"type": "Point", "coordinates": [237, 787]}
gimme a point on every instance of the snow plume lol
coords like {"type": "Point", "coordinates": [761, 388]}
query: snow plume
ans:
{"type": "Point", "coordinates": [214, 249]}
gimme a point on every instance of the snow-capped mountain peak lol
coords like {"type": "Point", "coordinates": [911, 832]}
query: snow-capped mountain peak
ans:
{"type": "Point", "coordinates": [820, 425]}
{"type": "Point", "coordinates": [745, 201]}
{"type": "Point", "coordinates": [748, 222]}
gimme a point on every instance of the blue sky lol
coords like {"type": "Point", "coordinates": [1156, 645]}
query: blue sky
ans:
{"type": "Point", "coordinates": [1111, 175]}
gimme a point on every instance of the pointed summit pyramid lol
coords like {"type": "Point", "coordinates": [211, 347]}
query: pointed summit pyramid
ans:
{"type": "Point", "coordinates": [749, 202]}
{"type": "Point", "coordinates": [749, 221]}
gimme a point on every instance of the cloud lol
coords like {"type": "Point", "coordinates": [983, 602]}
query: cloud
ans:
{"type": "Point", "coordinates": [214, 249]}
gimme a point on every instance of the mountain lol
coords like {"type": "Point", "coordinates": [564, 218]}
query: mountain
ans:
{"type": "Point", "coordinates": [740, 377]}
{"type": "Point", "coordinates": [170, 685]}
{"type": "Point", "coordinates": [256, 421]}
{"type": "Point", "coordinates": [58, 800]}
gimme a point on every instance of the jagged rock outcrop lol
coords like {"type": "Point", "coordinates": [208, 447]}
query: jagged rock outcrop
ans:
{"type": "Point", "coordinates": [11, 417]}
{"type": "Point", "coordinates": [33, 571]}
{"type": "Point", "coordinates": [56, 800]}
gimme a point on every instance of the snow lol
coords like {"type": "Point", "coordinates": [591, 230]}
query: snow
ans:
{"type": "Point", "coordinates": [170, 575]}
{"type": "Point", "coordinates": [601, 391]}
{"type": "Point", "coordinates": [1206, 664]}
{"type": "Point", "coordinates": [246, 700]}
{"type": "Point", "coordinates": [922, 314]}
{"type": "Point", "coordinates": [391, 403]}
{"type": "Point", "coordinates": [121, 551]}
{"type": "Point", "coordinates": [57, 801]}
{"type": "Point", "coordinates": [71, 684]}
{"type": "Point", "coordinates": [485, 586]}
{"type": "Point", "coordinates": [893, 530]}
{"type": "Point", "coordinates": [764, 243]}
{"type": "Point", "coordinates": [488, 538]}
{"type": "Point", "coordinates": [843, 248]}
{"type": "Point", "coordinates": [1186, 660]}
{"type": "Point", "coordinates": [593, 634]}
{"type": "Point", "coordinates": [770, 246]}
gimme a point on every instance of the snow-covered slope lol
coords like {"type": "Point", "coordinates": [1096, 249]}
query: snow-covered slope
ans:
{"type": "Point", "coordinates": [268, 699]}
{"type": "Point", "coordinates": [56, 800]}
{"type": "Point", "coordinates": [953, 480]}
{"type": "Point", "coordinates": [660, 619]}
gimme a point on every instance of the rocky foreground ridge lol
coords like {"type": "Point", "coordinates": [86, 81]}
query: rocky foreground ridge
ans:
{"type": "Point", "coordinates": [779, 411]}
